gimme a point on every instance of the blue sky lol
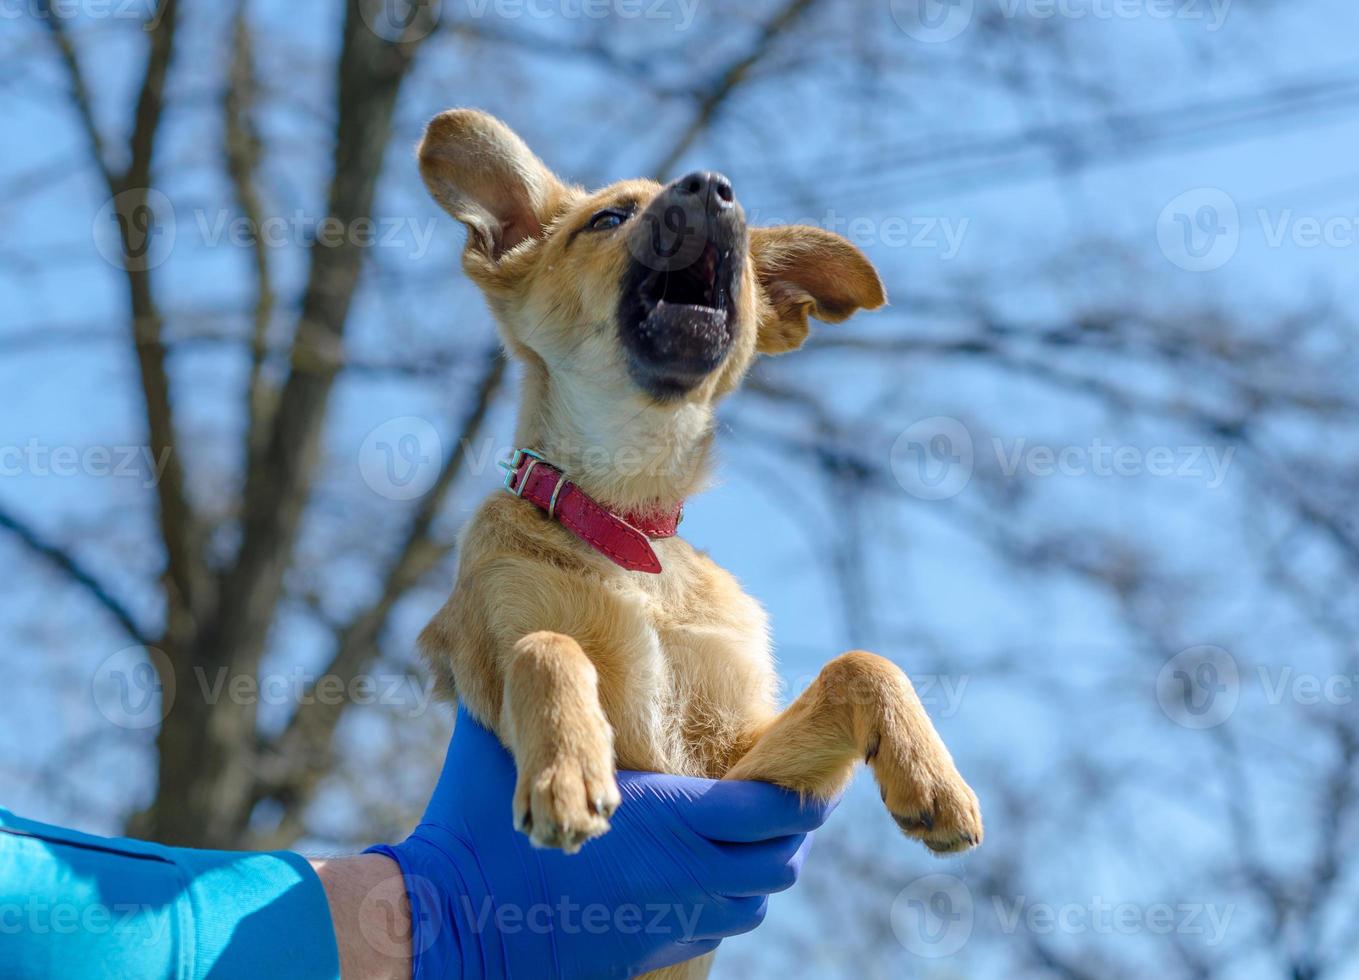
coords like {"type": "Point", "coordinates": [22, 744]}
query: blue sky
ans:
{"type": "Point", "coordinates": [1038, 238]}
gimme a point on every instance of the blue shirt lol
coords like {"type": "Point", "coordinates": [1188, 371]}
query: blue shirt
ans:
{"type": "Point", "coordinates": [76, 905]}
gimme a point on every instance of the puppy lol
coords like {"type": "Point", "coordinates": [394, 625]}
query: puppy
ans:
{"type": "Point", "coordinates": [582, 629]}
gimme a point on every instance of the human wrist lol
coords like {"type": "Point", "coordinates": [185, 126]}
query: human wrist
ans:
{"type": "Point", "coordinates": [371, 915]}
{"type": "Point", "coordinates": [453, 932]}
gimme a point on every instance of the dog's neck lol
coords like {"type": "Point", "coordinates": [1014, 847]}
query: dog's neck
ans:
{"type": "Point", "coordinates": [627, 452]}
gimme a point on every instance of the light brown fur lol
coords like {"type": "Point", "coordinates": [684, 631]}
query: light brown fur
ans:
{"type": "Point", "coordinates": [579, 666]}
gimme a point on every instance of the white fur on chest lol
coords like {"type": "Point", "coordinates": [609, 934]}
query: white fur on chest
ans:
{"type": "Point", "coordinates": [708, 678]}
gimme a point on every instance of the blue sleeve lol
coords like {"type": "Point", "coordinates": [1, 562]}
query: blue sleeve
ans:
{"type": "Point", "coordinates": [76, 905]}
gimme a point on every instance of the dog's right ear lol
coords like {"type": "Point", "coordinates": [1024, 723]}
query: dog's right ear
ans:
{"type": "Point", "coordinates": [809, 272]}
{"type": "Point", "coordinates": [486, 177]}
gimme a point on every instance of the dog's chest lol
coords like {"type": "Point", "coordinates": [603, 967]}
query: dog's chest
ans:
{"type": "Point", "coordinates": [701, 676]}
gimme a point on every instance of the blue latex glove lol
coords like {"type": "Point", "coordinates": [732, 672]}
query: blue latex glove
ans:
{"type": "Point", "coordinates": [686, 863]}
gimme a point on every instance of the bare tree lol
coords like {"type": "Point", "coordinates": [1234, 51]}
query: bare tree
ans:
{"type": "Point", "coordinates": [1102, 793]}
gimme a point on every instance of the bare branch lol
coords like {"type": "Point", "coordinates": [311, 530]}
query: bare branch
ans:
{"type": "Point", "coordinates": [712, 98]}
{"type": "Point", "coordinates": [80, 90]}
{"type": "Point", "coordinates": [63, 560]}
{"type": "Point", "coordinates": [129, 190]}
{"type": "Point", "coordinates": [243, 145]}
{"type": "Point", "coordinates": [370, 72]}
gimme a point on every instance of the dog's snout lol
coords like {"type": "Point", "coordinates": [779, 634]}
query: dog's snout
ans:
{"type": "Point", "coordinates": [708, 185]}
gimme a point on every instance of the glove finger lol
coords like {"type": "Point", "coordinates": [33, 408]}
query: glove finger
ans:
{"type": "Point", "coordinates": [751, 870]}
{"type": "Point", "coordinates": [744, 812]}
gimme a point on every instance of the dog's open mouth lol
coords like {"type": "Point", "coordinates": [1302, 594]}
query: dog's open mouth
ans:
{"type": "Point", "coordinates": [677, 323]}
{"type": "Point", "coordinates": [695, 286]}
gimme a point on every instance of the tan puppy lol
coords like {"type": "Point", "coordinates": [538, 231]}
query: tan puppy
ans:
{"type": "Point", "coordinates": [633, 310]}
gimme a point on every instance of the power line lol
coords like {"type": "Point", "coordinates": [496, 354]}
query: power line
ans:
{"type": "Point", "coordinates": [976, 161]}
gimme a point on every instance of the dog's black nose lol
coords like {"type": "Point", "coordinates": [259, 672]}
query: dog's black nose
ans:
{"type": "Point", "coordinates": [707, 184]}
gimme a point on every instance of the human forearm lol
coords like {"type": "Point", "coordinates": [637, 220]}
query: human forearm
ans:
{"type": "Point", "coordinates": [371, 916]}
{"type": "Point", "coordinates": [74, 905]}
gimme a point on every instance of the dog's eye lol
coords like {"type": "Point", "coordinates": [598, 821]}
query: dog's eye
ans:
{"type": "Point", "coordinates": [606, 219]}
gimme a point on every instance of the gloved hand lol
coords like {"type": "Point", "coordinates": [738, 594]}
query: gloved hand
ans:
{"type": "Point", "coordinates": [686, 863]}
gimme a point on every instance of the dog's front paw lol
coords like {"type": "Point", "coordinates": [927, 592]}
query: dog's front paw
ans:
{"type": "Point", "coordinates": [568, 799]}
{"type": "Point", "coordinates": [924, 791]}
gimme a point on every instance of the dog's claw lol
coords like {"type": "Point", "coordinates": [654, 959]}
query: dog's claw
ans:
{"type": "Point", "coordinates": [923, 821]}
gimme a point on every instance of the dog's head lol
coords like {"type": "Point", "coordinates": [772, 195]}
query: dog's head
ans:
{"type": "Point", "coordinates": [639, 298]}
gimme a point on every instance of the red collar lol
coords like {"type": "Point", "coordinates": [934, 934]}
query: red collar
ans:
{"type": "Point", "coordinates": [625, 538]}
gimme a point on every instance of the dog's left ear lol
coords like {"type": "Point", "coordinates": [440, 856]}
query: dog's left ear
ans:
{"type": "Point", "coordinates": [808, 271]}
{"type": "Point", "coordinates": [485, 176]}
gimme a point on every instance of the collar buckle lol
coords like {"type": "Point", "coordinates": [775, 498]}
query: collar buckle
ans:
{"type": "Point", "coordinates": [512, 465]}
